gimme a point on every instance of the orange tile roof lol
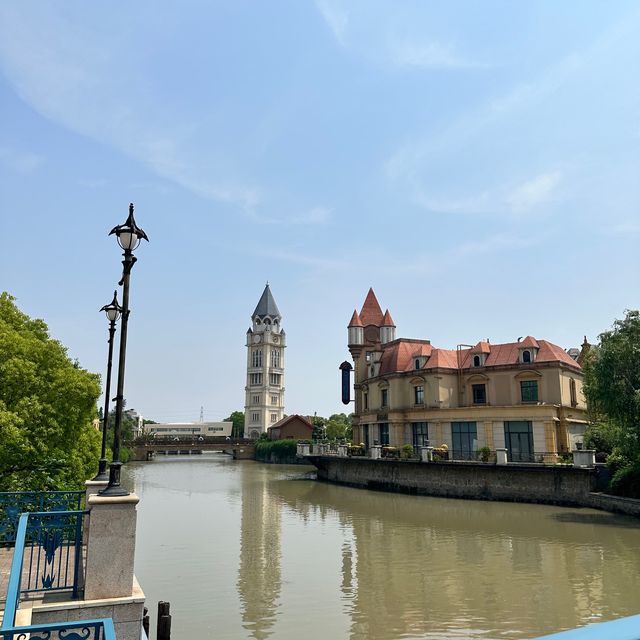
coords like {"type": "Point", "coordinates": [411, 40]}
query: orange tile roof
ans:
{"type": "Point", "coordinates": [530, 341]}
{"type": "Point", "coordinates": [355, 320]}
{"type": "Point", "coordinates": [399, 355]}
{"type": "Point", "coordinates": [371, 312]}
{"type": "Point", "coordinates": [481, 347]}
{"type": "Point", "coordinates": [387, 321]}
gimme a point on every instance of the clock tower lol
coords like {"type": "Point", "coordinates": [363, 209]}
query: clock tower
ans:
{"type": "Point", "coordinates": [264, 391]}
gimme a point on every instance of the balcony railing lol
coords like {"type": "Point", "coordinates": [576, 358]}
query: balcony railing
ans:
{"type": "Point", "coordinates": [101, 629]}
{"type": "Point", "coordinates": [12, 504]}
{"type": "Point", "coordinates": [47, 557]}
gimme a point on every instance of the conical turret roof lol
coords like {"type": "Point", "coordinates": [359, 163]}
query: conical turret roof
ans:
{"type": "Point", "coordinates": [371, 312]}
{"type": "Point", "coordinates": [266, 305]}
{"type": "Point", "coordinates": [387, 321]}
{"type": "Point", "coordinates": [355, 320]}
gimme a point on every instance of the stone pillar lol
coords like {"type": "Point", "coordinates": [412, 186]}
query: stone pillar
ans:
{"type": "Point", "coordinates": [375, 452]}
{"type": "Point", "coordinates": [550, 455]}
{"type": "Point", "coordinates": [111, 547]}
{"type": "Point", "coordinates": [92, 487]}
{"type": "Point", "coordinates": [426, 454]}
{"type": "Point", "coordinates": [501, 456]}
{"type": "Point", "coordinates": [342, 450]}
{"type": "Point", "coordinates": [488, 434]}
{"type": "Point", "coordinates": [584, 458]}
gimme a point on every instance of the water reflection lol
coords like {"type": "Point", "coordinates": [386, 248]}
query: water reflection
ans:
{"type": "Point", "coordinates": [259, 575]}
{"type": "Point", "coordinates": [253, 551]}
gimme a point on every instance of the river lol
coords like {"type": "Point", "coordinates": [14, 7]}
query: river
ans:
{"type": "Point", "coordinates": [249, 550]}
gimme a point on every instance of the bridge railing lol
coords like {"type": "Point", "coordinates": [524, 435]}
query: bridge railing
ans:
{"type": "Point", "coordinates": [15, 503]}
{"type": "Point", "coordinates": [100, 629]}
{"type": "Point", "coordinates": [47, 557]}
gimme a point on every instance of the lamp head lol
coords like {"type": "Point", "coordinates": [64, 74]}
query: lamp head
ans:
{"type": "Point", "coordinates": [129, 234]}
{"type": "Point", "coordinates": [113, 309]}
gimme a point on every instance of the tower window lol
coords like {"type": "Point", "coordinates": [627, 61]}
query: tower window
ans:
{"type": "Point", "coordinates": [275, 358]}
{"type": "Point", "coordinates": [274, 417]}
{"type": "Point", "coordinates": [256, 358]}
{"type": "Point", "coordinates": [274, 400]}
{"type": "Point", "coordinates": [274, 379]}
{"type": "Point", "coordinates": [255, 378]}
{"type": "Point", "coordinates": [255, 399]}
{"type": "Point", "coordinates": [255, 416]}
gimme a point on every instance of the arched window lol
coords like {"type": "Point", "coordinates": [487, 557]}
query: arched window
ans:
{"type": "Point", "coordinates": [526, 356]}
{"type": "Point", "coordinates": [417, 363]}
{"type": "Point", "coordinates": [476, 361]}
{"type": "Point", "coordinates": [256, 358]}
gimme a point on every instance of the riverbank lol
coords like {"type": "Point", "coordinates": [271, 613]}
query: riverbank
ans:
{"type": "Point", "coordinates": [561, 485]}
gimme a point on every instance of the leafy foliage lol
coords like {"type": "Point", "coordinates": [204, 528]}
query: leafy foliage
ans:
{"type": "Point", "coordinates": [47, 404]}
{"type": "Point", "coordinates": [237, 430]}
{"type": "Point", "coordinates": [612, 389]}
{"type": "Point", "coordinates": [276, 450]}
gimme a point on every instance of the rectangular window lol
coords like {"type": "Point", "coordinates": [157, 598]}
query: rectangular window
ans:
{"type": "Point", "coordinates": [274, 400]}
{"type": "Point", "coordinates": [274, 417]}
{"type": "Point", "coordinates": [384, 433]}
{"type": "Point", "coordinates": [256, 358]}
{"type": "Point", "coordinates": [255, 416]}
{"type": "Point", "coordinates": [274, 379]}
{"type": "Point", "coordinates": [418, 394]}
{"type": "Point", "coordinates": [572, 390]}
{"type": "Point", "coordinates": [384, 398]}
{"type": "Point", "coordinates": [255, 399]}
{"type": "Point", "coordinates": [529, 390]}
{"type": "Point", "coordinates": [275, 358]}
{"type": "Point", "coordinates": [479, 393]}
{"type": "Point", "coordinates": [518, 439]}
{"type": "Point", "coordinates": [255, 378]}
{"type": "Point", "coordinates": [420, 433]}
{"type": "Point", "coordinates": [366, 400]}
{"type": "Point", "coordinates": [465, 440]}
{"type": "Point", "coordinates": [365, 435]}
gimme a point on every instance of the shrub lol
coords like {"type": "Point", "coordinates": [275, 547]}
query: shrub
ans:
{"type": "Point", "coordinates": [407, 451]}
{"type": "Point", "coordinates": [484, 453]}
{"type": "Point", "coordinates": [280, 451]}
{"type": "Point", "coordinates": [626, 482]}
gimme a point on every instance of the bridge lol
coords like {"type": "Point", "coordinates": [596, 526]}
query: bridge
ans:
{"type": "Point", "coordinates": [239, 448]}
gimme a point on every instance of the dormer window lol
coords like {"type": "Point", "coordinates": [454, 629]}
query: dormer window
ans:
{"type": "Point", "coordinates": [526, 356]}
{"type": "Point", "coordinates": [477, 361]}
{"type": "Point", "coordinates": [417, 363]}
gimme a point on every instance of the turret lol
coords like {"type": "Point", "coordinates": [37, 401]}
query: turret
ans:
{"type": "Point", "coordinates": [356, 330]}
{"type": "Point", "coordinates": [388, 329]}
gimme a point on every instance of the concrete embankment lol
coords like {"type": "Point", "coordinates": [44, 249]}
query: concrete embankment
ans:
{"type": "Point", "coordinates": [545, 484]}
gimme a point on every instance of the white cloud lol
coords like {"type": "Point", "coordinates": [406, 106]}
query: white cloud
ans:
{"type": "Point", "coordinates": [429, 55]}
{"type": "Point", "coordinates": [533, 192]}
{"type": "Point", "coordinates": [20, 161]}
{"type": "Point", "coordinates": [336, 17]}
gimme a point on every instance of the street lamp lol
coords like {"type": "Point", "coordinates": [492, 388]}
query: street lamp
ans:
{"type": "Point", "coordinates": [129, 236]}
{"type": "Point", "coordinates": [113, 311]}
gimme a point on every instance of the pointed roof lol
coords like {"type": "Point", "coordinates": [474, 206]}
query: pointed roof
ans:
{"type": "Point", "coordinates": [266, 305]}
{"type": "Point", "coordinates": [481, 347]}
{"type": "Point", "coordinates": [355, 320]}
{"type": "Point", "coordinates": [371, 312]}
{"type": "Point", "coordinates": [530, 341]}
{"type": "Point", "coordinates": [387, 321]}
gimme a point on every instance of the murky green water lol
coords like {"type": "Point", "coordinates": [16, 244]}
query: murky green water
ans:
{"type": "Point", "coordinates": [246, 550]}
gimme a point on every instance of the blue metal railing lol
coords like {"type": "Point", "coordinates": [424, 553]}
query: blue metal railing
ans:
{"type": "Point", "coordinates": [622, 629]}
{"type": "Point", "coordinates": [14, 503]}
{"type": "Point", "coordinates": [51, 544]}
{"type": "Point", "coordinates": [101, 629]}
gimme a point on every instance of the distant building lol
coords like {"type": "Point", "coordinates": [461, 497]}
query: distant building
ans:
{"type": "Point", "coordinates": [196, 429]}
{"type": "Point", "coordinates": [264, 390]}
{"type": "Point", "coordinates": [292, 427]}
{"type": "Point", "coordinates": [524, 395]}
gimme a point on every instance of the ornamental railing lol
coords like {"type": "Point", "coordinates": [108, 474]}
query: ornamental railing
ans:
{"type": "Point", "coordinates": [101, 629]}
{"type": "Point", "coordinates": [47, 557]}
{"type": "Point", "coordinates": [13, 504]}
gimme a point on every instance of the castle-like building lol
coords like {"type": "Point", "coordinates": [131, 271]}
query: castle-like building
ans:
{"type": "Point", "coordinates": [525, 396]}
{"type": "Point", "coordinates": [264, 390]}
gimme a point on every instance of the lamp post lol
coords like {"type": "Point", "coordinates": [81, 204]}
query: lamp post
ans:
{"type": "Point", "coordinates": [113, 311]}
{"type": "Point", "coordinates": [129, 236]}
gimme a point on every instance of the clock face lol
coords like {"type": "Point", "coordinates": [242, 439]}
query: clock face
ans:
{"type": "Point", "coordinates": [371, 334]}
{"type": "Point", "coordinates": [276, 339]}
{"type": "Point", "coordinates": [256, 339]}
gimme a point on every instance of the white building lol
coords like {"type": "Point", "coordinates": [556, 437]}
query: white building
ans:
{"type": "Point", "coordinates": [196, 429]}
{"type": "Point", "coordinates": [264, 390]}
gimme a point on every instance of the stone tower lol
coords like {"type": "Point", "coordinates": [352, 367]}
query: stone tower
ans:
{"type": "Point", "coordinates": [264, 391]}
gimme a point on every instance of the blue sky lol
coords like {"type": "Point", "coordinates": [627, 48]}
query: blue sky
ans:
{"type": "Point", "coordinates": [476, 163]}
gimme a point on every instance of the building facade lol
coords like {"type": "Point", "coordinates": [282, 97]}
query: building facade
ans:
{"type": "Point", "coordinates": [185, 429]}
{"type": "Point", "coordinates": [525, 396]}
{"type": "Point", "coordinates": [292, 427]}
{"type": "Point", "coordinates": [264, 390]}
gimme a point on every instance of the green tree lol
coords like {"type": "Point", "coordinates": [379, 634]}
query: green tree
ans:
{"type": "Point", "coordinates": [612, 389]}
{"type": "Point", "coordinates": [338, 427]}
{"type": "Point", "coordinates": [47, 404]}
{"type": "Point", "coordinates": [237, 430]}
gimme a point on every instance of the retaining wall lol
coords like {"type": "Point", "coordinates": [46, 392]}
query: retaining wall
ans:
{"type": "Point", "coordinates": [558, 484]}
